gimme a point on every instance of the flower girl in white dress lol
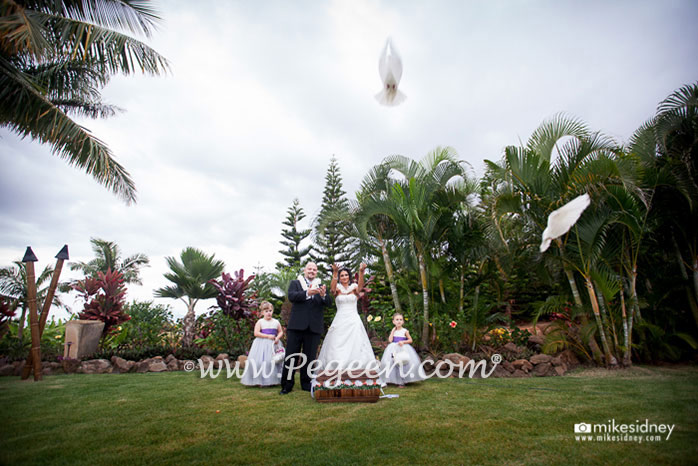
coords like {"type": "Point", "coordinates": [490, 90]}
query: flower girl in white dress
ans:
{"type": "Point", "coordinates": [262, 367]}
{"type": "Point", "coordinates": [400, 362]}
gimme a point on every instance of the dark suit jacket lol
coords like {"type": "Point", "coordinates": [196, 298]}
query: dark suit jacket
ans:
{"type": "Point", "coordinates": [306, 313]}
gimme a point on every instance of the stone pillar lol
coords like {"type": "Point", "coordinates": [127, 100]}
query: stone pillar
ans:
{"type": "Point", "coordinates": [82, 338]}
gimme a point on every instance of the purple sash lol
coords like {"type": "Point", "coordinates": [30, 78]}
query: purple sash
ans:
{"type": "Point", "coordinates": [269, 331]}
{"type": "Point", "coordinates": [399, 339]}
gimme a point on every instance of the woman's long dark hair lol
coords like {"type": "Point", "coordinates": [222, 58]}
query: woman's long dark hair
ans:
{"type": "Point", "coordinates": [344, 269]}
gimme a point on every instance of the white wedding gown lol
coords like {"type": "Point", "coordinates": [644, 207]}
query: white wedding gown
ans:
{"type": "Point", "coordinates": [346, 342]}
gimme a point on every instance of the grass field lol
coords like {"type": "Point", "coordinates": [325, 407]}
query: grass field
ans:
{"type": "Point", "coordinates": [171, 418]}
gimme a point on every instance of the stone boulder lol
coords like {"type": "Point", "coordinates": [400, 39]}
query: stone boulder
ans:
{"type": "Point", "coordinates": [500, 371]}
{"type": "Point", "coordinates": [519, 373]}
{"type": "Point", "coordinates": [508, 366]}
{"type": "Point", "coordinates": [19, 365]}
{"type": "Point", "coordinates": [536, 340]}
{"type": "Point", "coordinates": [156, 364]}
{"type": "Point", "coordinates": [121, 365]}
{"type": "Point", "coordinates": [172, 364]}
{"type": "Point", "coordinates": [70, 366]}
{"type": "Point", "coordinates": [540, 358]}
{"type": "Point", "coordinates": [222, 357]}
{"type": "Point", "coordinates": [169, 358]}
{"type": "Point", "coordinates": [96, 366]}
{"type": "Point", "coordinates": [522, 365]}
{"type": "Point", "coordinates": [512, 348]}
{"type": "Point", "coordinates": [560, 370]}
{"type": "Point", "coordinates": [429, 365]}
{"type": "Point", "coordinates": [206, 360]}
{"type": "Point", "coordinates": [542, 369]}
{"type": "Point", "coordinates": [456, 358]}
{"type": "Point", "coordinates": [569, 358]}
{"type": "Point", "coordinates": [7, 369]}
{"type": "Point", "coordinates": [242, 360]}
{"type": "Point", "coordinates": [56, 367]}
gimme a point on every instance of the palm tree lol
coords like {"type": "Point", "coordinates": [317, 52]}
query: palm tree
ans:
{"type": "Point", "coordinates": [13, 287]}
{"type": "Point", "coordinates": [537, 185]}
{"type": "Point", "coordinates": [191, 283]}
{"type": "Point", "coordinates": [676, 134]}
{"type": "Point", "coordinates": [378, 230]}
{"type": "Point", "coordinates": [54, 59]}
{"type": "Point", "coordinates": [420, 206]}
{"type": "Point", "coordinates": [108, 257]}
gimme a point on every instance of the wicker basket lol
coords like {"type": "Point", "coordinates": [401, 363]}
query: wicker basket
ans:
{"type": "Point", "coordinates": [362, 392]}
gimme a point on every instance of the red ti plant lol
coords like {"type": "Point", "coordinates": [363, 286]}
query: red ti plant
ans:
{"type": "Point", "coordinates": [364, 299]}
{"type": "Point", "coordinates": [104, 297]}
{"type": "Point", "coordinates": [6, 313]}
{"type": "Point", "coordinates": [234, 297]}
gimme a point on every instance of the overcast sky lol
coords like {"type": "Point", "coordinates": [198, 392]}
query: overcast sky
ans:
{"type": "Point", "coordinates": [263, 93]}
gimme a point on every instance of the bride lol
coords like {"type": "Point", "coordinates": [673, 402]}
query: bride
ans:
{"type": "Point", "coordinates": [346, 342]}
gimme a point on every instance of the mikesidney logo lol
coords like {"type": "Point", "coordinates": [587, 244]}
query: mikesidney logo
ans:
{"type": "Point", "coordinates": [611, 431]}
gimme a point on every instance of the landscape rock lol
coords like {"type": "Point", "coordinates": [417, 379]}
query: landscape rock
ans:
{"type": "Point", "coordinates": [157, 365]}
{"type": "Point", "coordinates": [512, 348]}
{"type": "Point", "coordinates": [456, 358]}
{"type": "Point", "coordinates": [500, 371]}
{"type": "Point", "coordinates": [569, 358]}
{"type": "Point", "coordinates": [519, 373]}
{"type": "Point", "coordinates": [559, 370]}
{"type": "Point", "coordinates": [222, 357]}
{"type": "Point", "coordinates": [508, 366]}
{"type": "Point", "coordinates": [170, 357]}
{"type": "Point", "coordinates": [95, 366]}
{"type": "Point", "coordinates": [522, 364]}
{"type": "Point", "coordinates": [70, 366]}
{"type": "Point", "coordinates": [536, 340]}
{"type": "Point", "coordinates": [173, 365]}
{"type": "Point", "coordinates": [19, 365]}
{"type": "Point", "coordinates": [542, 369]}
{"type": "Point", "coordinates": [242, 359]}
{"type": "Point", "coordinates": [7, 369]}
{"type": "Point", "coordinates": [540, 358]}
{"type": "Point", "coordinates": [121, 365]}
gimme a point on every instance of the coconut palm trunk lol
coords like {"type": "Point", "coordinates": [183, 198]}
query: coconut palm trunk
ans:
{"type": "Point", "coordinates": [595, 350]}
{"type": "Point", "coordinates": [627, 328]}
{"type": "Point", "coordinates": [462, 289]}
{"type": "Point", "coordinates": [389, 273]}
{"type": "Point", "coordinates": [474, 320]}
{"type": "Point", "coordinates": [610, 359]}
{"type": "Point", "coordinates": [425, 299]}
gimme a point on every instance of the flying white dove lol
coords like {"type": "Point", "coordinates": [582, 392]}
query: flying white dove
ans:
{"type": "Point", "coordinates": [390, 70]}
{"type": "Point", "coordinates": [561, 220]}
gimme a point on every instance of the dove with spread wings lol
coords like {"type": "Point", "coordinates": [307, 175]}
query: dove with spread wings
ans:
{"type": "Point", "coordinates": [390, 70]}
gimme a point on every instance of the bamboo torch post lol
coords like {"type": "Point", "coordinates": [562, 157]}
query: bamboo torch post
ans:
{"type": "Point", "coordinates": [29, 259]}
{"type": "Point", "coordinates": [62, 256]}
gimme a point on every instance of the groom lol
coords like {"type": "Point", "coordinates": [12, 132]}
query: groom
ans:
{"type": "Point", "coordinates": [305, 326]}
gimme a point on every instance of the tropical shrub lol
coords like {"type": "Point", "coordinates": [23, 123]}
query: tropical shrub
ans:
{"type": "Point", "coordinates": [235, 298]}
{"type": "Point", "coordinates": [6, 313]}
{"type": "Point", "coordinates": [219, 333]}
{"type": "Point", "coordinates": [104, 298]}
{"type": "Point", "coordinates": [150, 325]}
{"type": "Point", "coordinates": [16, 349]}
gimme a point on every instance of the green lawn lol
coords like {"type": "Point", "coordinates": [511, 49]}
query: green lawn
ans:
{"type": "Point", "coordinates": [171, 418]}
